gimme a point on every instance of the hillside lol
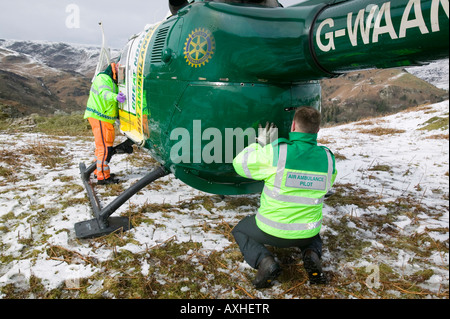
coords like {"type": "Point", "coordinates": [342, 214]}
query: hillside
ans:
{"type": "Point", "coordinates": [47, 78]}
{"type": "Point", "coordinates": [360, 94]}
{"type": "Point", "coordinates": [385, 233]}
{"type": "Point", "coordinates": [55, 55]}
{"type": "Point", "coordinates": [41, 78]}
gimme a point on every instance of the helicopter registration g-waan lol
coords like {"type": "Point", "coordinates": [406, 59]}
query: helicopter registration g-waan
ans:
{"type": "Point", "coordinates": [201, 82]}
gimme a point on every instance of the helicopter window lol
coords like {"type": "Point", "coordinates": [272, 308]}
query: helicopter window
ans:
{"type": "Point", "coordinates": [123, 64]}
{"type": "Point", "coordinates": [121, 79]}
{"type": "Point", "coordinates": [124, 57]}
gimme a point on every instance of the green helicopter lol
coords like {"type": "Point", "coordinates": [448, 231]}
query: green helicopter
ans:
{"type": "Point", "coordinates": [201, 82]}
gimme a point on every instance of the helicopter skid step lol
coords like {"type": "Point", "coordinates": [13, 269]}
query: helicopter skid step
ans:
{"type": "Point", "coordinates": [103, 224]}
{"type": "Point", "coordinates": [92, 228]}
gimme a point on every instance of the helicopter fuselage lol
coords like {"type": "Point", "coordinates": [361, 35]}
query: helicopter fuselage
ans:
{"type": "Point", "coordinates": [201, 82]}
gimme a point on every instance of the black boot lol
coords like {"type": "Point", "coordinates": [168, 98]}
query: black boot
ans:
{"type": "Point", "coordinates": [313, 267]}
{"type": "Point", "coordinates": [268, 270]}
{"type": "Point", "coordinates": [109, 181]}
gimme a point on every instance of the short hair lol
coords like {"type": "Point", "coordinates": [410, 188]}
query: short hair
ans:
{"type": "Point", "coordinates": [307, 119]}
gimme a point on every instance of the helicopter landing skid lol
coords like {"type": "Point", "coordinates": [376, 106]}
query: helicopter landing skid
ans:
{"type": "Point", "coordinates": [92, 229]}
{"type": "Point", "coordinates": [103, 224]}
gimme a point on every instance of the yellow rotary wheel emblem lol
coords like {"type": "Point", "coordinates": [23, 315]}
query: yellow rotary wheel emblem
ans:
{"type": "Point", "coordinates": [199, 47]}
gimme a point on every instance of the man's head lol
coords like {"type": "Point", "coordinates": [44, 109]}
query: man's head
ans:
{"type": "Point", "coordinates": [112, 71]}
{"type": "Point", "coordinates": [306, 120]}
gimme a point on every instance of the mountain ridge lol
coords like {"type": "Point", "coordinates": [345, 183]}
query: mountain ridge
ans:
{"type": "Point", "coordinates": [52, 77]}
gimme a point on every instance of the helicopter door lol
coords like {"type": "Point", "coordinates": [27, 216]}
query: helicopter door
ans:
{"type": "Point", "coordinates": [127, 79]}
{"type": "Point", "coordinates": [133, 113]}
{"type": "Point", "coordinates": [127, 110]}
{"type": "Point", "coordinates": [130, 112]}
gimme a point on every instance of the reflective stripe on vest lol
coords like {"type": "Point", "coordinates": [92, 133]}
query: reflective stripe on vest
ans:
{"type": "Point", "coordinates": [101, 114]}
{"type": "Point", "coordinates": [247, 172]}
{"type": "Point", "coordinates": [106, 87]}
{"type": "Point", "coordinates": [293, 226]}
{"type": "Point", "coordinates": [94, 91]}
{"type": "Point", "coordinates": [275, 192]}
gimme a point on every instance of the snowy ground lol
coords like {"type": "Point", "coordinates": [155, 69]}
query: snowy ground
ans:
{"type": "Point", "coordinates": [403, 165]}
{"type": "Point", "coordinates": [386, 231]}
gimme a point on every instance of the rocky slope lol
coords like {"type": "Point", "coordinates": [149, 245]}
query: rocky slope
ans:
{"type": "Point", "coordinates": [361, 94]}
{"type": "Point", "coordinates": [44, 78]}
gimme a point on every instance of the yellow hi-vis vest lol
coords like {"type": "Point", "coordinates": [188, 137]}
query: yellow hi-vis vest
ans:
{"type": "Point", "coordinates": [102, 103]}
{"type": "Point", "coordinates": [297, 175]}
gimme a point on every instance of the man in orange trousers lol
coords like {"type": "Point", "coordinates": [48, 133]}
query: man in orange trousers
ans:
{"type": "Point", "coordinates": [102, 112]}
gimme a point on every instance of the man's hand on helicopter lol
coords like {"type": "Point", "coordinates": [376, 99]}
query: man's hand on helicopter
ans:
{"type": "Point", "coordinates": [121, 98]}
{"type": "Point", "coordinates": [268, 134]}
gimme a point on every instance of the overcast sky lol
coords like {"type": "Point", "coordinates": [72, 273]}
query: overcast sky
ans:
{"type": "Point", "coordinates": [76, 21]}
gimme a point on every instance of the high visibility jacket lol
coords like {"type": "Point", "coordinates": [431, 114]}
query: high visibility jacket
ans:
{"type": "Point", "coordinates": [102, 103]}
{"type": "Point", "coordinates": [297, 174]}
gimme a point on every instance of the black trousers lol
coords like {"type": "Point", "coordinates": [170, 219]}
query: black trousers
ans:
{"type": "Point", "coordinates": [252, 240]}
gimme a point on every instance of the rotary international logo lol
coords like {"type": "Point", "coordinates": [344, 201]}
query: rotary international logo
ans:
{"type": "Point", "coordinates": [199, 47]}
